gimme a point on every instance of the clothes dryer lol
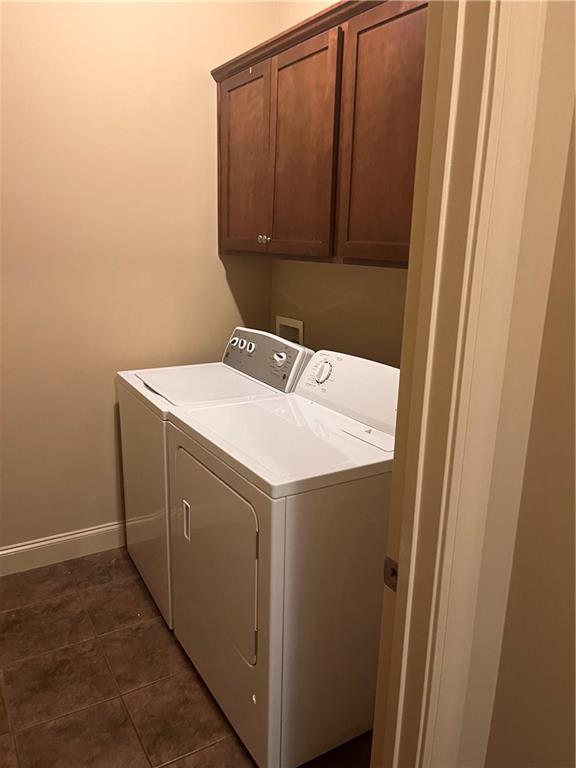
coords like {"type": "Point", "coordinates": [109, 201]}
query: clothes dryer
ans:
{"type": "Point", "coordinates": [279, 514]}
{"type": "Point", "coordinates": [255, 364]}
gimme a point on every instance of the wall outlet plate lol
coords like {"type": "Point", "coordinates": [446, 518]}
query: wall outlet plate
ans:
{"type": "Point", "coordinates": [289, 328]}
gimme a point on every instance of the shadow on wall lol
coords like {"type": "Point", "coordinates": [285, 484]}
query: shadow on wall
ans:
{"type": "Point", "coordinates": [118, 460]}
{"type": "Point", "coordinates": [353, 309]}
{"type": "Point", "coordinates": [250, 281]}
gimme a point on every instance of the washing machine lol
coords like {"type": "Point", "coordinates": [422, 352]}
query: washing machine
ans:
{"type": "Point", "coordinates": [279, 514]}
{"type": "Point", "coordinates": [255, 364]}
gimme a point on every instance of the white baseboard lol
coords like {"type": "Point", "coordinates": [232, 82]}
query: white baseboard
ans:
{"type": "Point", "coordinates": [62, 546]}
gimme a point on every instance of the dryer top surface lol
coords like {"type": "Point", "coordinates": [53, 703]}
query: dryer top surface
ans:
{"type": "Point", "coordinates": [288, 444]}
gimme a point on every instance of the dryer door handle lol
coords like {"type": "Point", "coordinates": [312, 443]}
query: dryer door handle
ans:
{"type": "Point", "coordinates": [186, 518]}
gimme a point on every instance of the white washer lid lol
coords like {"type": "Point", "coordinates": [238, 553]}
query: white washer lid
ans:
{"type": "Point", "coordinates": [287, 444]}
{"type": "Point", "coordinates": [190, 384]}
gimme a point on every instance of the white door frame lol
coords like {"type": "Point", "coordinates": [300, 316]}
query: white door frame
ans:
{"type": "Point", "coordinates": [491, 86]}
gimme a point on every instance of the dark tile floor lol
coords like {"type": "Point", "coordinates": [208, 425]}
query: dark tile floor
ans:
{"type": "Point", "coordinates": [90, 677]}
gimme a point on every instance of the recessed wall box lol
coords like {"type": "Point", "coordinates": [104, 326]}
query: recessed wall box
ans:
{"type": "Point", "coordinates": [289, 328]}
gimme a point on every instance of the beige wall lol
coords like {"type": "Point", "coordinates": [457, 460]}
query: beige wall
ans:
{"type": "Point", "coordinates": [109, 244]}
{"type": "Point", "coordinates": [358, 310]}
{"type": "Point", "coordinates": [290, 13]}
{"type": "Point", "coordinates": [533, 715]}
{"type": "Point", "coordinates": [521, 679]}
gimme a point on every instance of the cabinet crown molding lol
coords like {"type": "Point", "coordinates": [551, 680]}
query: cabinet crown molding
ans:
{"type": "Point", "coordinates": [320, 22]}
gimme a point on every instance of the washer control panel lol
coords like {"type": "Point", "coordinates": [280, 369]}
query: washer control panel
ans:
{"type": "Point", "coordinates": [363, 389]}
{"type": "Point", "coordinates": [266, 357]}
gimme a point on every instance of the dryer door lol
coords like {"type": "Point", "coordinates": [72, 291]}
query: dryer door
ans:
{"type": "Point", "coordinates": [215, 563]}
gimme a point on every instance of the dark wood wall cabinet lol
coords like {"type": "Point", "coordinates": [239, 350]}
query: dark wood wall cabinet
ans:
{"type": "Point", "coordinates": [317, 137]}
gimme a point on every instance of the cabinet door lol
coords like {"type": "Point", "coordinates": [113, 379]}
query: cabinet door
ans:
{"type": "Point", "coordinates": [382, 81]}
{"type": "Point", "coordinates": [305, 86]}
{"type": "Point", "coordinates": [245, 197]}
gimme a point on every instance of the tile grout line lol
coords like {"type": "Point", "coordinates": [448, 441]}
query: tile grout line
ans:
{"type": "Point", "coordinates": [100, 638]}
{"type": "Point", "coordinates": [149, 683]}
{"type": "Point", "coordinates": [16, 750]}
{"type": "Point", "coordinates": [81, 596]}
{"type": "Point", "coordinates": [130, 625]}
{"type": "Point", "coordinates": [112, 582]}
{"type": "Point", "coordinates": [76, 589]}
{"type": "Point", "coordinates": [120, 697]}
{"type": "Point", "coordinates": [152, 682]}
{"type": "Point", "coordinates": [186, 754]}
{"type": "Point", "coordinates": [196, 751]}
{"type": "Point", "coordinates": [133, 724]}
{"type": "Point", "coordinates": [94, 640]}
{"type": "Point", "coordinates": [127, 626]}
{"type": "Point", "coordinates": [65, 714]}
{"type": "Point", "coordinates": [11, 730]}
{"type": "Point", "coordinates": [80, 593]}
{"type": "Point", "coordinates": [46, 653]}
{"type": "Point", "coordinates": [34, 603]}
{"type": "Point", "coordinates": [76, 592]}
{"type": "Point", "coordinates": [117, 697]}
{"type": "Point", "coordinates": [5, 700]}
{"type": "Point", "coordinates": [230, 735]}
{"type": "Point", "coordinates": [101, 650]}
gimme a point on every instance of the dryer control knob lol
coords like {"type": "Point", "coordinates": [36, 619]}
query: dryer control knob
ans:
{"type": "Point", "coordinates": [241, 343]}
{"type": "Point", "coordinates": [234, 341]}
{"type": "Point", "coordinates": [250, 347]}
{"type": "Point", "coordinates": [324, 371]}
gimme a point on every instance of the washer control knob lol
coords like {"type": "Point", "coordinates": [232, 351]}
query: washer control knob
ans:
{"type": "Point", "coordinates": [250, 347]}
{"type": "Point", "coordinates": [323, 372]}
{"type": "Point", "coordinates": [279, 358]}
{"type": "Point", "coordinates": [242, 344]}
{"type": "Point", "coordinates": [234, 341]}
